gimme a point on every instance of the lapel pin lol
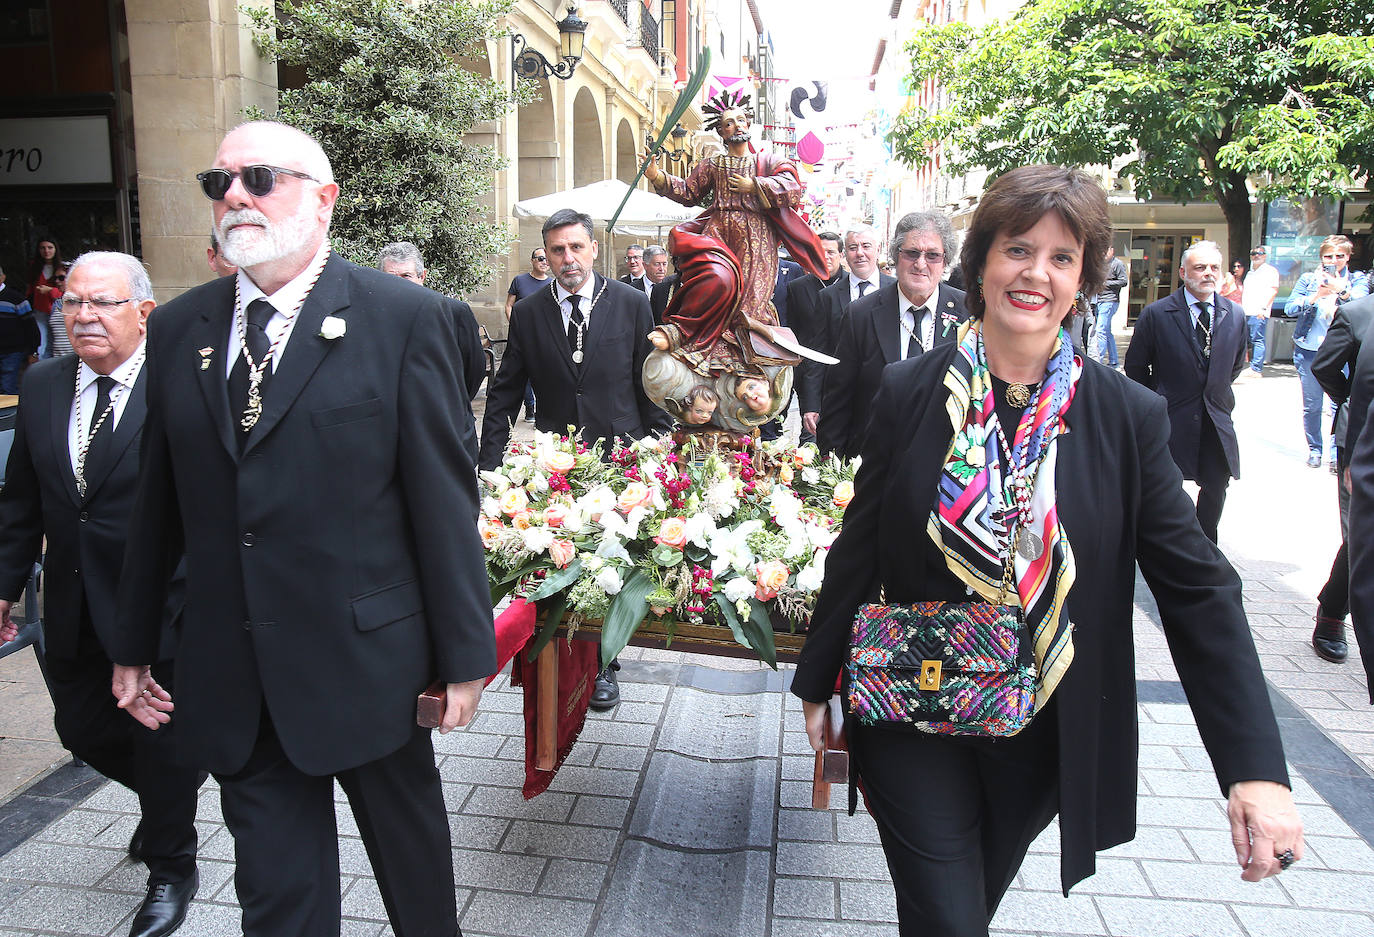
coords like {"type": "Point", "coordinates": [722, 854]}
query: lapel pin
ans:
{"type": "Point", "coordinates": [205, 354]}
{"type": "Point", "coordinates": [332, 327]}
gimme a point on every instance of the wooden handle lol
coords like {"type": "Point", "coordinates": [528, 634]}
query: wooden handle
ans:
{"type": "Point", "coordinates": [430, 705]}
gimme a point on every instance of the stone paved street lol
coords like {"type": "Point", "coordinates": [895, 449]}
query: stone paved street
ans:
{"type": "Point", "coordinates": [685, 811]}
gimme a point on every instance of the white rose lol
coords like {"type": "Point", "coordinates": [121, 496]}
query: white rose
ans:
{"type": "Point", "coordinates": [496, 480]}
{"type": "Point", "coordinates": [700, 528]}
{"type": "Point", "coordinates": [810, 475]}
{"type": "Point", "coordinates": [737, 589]}
{"type": "Point", "coordinates": [491, 507]}
{"type": "Point", "coordinates": [810, 577]}
{"type": "Point", "coordinates": [538, 483]}
{"type": "Point", "coordinates": [332, 327]}
{"type": "Point", "coordinates": [597, 501]}
{"type": "Point", "coordinates": [608, 580]}
{"type": "Point", "coordinates": [537, 539]}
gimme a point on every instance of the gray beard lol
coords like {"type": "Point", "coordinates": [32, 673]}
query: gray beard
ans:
{"type": "Point", "coordinates": [277, 239]}
{"type": "Point", "coordinates": [738, 138]}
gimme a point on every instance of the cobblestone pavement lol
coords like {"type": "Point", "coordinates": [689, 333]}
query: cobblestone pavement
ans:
{"type": "Point", "coordinates": [685, 810]}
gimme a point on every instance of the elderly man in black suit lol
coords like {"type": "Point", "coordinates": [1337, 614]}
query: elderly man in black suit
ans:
{"type": "Point", "coordinates": [1188, 347]}
{"type": "Point", "coordinates": [637, 275]}
{"type": "Point", "coordinates": [71, 478]}
{"type": "Point", "coordinates": [893, 323]}
{"type": "Point", "coordinates": [582, 343]}
{"type": "Point", "coordinates": [861, 255]}
{"type": "Point", "coordinates": [304, 446]}
{"type": "Point", "coordinates": [803, 309]}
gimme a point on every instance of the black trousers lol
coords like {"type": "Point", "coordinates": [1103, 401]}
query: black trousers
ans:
{"type": "Point", "coordinates": [956, 816]}
{"type": "Point", "coordinates": [108, 739]}
{"type": "Point", "coordinates": [286, 843]}
{"type": "Point", "coordinates": [1334, 599]}
{"type": "Point", "coordinates": [1213, 478]}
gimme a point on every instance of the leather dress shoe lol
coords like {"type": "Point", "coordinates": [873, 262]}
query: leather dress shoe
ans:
{"type": "Point", "coordinates": [1328, 639]}
{"type": "Point", "coordinates": [606, 693]}
{"type": "Point", "coordinates": [136, 843]}
{"type": "Point", "coordinates": [164, 908]}
{"type": "Point", "coordinates": [1314, 460]}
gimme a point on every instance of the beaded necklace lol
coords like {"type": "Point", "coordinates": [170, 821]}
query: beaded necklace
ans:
{"type": "Point", "coordinates": [83, 442]}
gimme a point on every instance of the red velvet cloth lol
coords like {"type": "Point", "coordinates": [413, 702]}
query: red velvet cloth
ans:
{"type": "Point", "coordinates": [514, 629]}
{"type": "Point", "coordinates": [578, 663]}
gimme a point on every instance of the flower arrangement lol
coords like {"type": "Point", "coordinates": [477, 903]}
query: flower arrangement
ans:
{"type": "Point", "coordinates": [683, 534]}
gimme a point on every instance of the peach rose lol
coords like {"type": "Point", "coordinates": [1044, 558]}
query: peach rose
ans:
{"type": "Point", "coordinates": [785, 474]}
{"type": "Point", "coordinates": [672, 532]}
{"type": "Point", "coordinates": [522, 520]}
{"type": "Point", "coordinates": [562, 552]}
{"type": "Point", "coordinates": [803, 457]}
{"type": "Point", "coordinates": [768, 579]}
{"type": "Point", "coordinates": [844, 493]}
{"type": "Point", "coordinates": [513, 501]}
{"type": "Point", "coordinates": [635, 494]}
{"type": "Point", "coordinates": [555, 514]}
{"type": "Point", "coordinates": [557, 461]}
{"type": "Point", "coordinates": [491, 532]}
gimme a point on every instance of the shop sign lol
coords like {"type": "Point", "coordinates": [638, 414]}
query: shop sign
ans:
{"type": "Point", "coordinates": [55, 151]}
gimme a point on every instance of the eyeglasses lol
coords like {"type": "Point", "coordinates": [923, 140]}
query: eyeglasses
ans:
{"type": "Point", "coordinates": [1258, 252]}
{"type": "Point", "coordinates": [933, 258]}
{"type": "Point", "coordinates": [259, 181]}
{"type": "Point", "coordinates": [73, 305]}
{"type": "Point", "coordinates": [541, 260]}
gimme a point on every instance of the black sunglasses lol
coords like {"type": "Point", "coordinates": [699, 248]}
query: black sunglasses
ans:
{"type": "Point", "coordinates": [257, 180]}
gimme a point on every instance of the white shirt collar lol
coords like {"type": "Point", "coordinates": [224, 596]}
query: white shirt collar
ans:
{"type": "Point", "coordinates": [126, 374]}
{"type": "Point", "coordinates": [289, 298]}
{"type": "Point", "coordinates": [854, 280]}
{"type": "Point", "coordinates": [1194, 300]}
{"type": "Point", "coordinates": [586, 291]}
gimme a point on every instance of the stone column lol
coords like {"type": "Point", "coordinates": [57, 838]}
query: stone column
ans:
{"type": "Point", "coordinates": [193, 72]}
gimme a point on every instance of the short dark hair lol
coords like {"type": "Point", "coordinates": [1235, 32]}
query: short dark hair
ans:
{"type": "Point", "coordinates": [833, 236]}
{"type": "Point", "coordinates": [535, 251]}
{"type": "Point", "coordinates": [1017, 200]}
{"type": "Point", "coordinates": [567, 216]}
{"type": "Point", "coordinates": [635, 247]}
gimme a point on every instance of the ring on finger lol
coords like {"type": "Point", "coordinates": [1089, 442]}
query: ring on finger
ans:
{"type": "Point", "coordinates": [1286, 858]}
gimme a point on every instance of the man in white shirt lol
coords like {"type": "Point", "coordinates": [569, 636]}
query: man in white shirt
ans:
{"type": "Point", "coordinates": [1257, 299]}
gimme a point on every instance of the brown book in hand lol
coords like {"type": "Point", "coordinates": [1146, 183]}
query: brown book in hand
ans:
{"type": "Point", "coordinates": [430, 705]}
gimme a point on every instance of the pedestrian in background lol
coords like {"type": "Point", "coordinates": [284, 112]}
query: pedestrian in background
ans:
{"type": "Point", "coordinates": [946, 486]}
{"type": "Point", "coordinates": [1231, 284]}
{"type": "Point", "coordinates": [523, 285]}
{"type": "Point", "coordinates": [1260, 287]}
{"type": "Point", "coordinates": [18, 335]}
{"type": "Point", "coordinates": [59, 341]}
{"type": "Point", "coordinates": [1107, 302]}
{"type": "Point", "coordinates": [43, 290]}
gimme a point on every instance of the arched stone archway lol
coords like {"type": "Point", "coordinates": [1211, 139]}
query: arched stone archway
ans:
{"type": "Point", "coordinates": [588, 161]}
{"type": "Point", "coordinates": [537, 161]}
{"type": "Point", "coordinates": [626, 153]}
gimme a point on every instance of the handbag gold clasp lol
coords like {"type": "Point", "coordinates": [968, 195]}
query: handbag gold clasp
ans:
{"type": "Point", "coordinates": [930, 675]}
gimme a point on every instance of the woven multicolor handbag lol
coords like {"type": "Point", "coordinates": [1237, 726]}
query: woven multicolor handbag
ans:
{"type": "Point", "coordinates": [951, 668]}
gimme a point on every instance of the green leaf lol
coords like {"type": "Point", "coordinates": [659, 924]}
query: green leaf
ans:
{"type": "Point", "coordinates": [557, 581]}
{"type": "Point", "coordinates": [759, 627]}
{"type": "Point", "coordinates": [553, 614]}
{"type": "Point", "coordinates": [666, 556]}
{"type": "Point", "coordinates": [727, 611]}
{"type": "Point", "coordinates": [627, 611]}
{"type": "Point", "coordinates": [499, 590]}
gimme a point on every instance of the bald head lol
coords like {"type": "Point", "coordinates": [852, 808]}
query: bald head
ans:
{"type": "Point", "coordinates": [303, 151]}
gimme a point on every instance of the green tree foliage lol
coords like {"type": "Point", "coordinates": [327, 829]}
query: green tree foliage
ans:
{"type": "Point", "coordinates": [387, 100]}
{"type": "Point", "coordinates": [1198, 95]}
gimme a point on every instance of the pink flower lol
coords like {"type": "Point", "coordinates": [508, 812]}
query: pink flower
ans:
{"type": "Point", "coordinates": [768, 579]}
{"type": "Point", "coordinates": [562, 552]}
{"type": "Point", "coordinates": [555, 514]}
{"type": "Point", "coordinates": [635, 494]}
{"type": "Point", "coordinates": [844, 493]}
{"type": "Point", "coordinates": [672, 532]}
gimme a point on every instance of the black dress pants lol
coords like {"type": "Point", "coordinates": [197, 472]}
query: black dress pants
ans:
{"type": "Point", "coordinates": [1334, 599]}
{"type": "Point", "coordinates": [1213, 477]}
{"type": "Point", "coordinates": [956, 816]}
{"type": "Point", "coordinates": [108, 739]}
{"type": "Point", "coordinates": [286, 843]}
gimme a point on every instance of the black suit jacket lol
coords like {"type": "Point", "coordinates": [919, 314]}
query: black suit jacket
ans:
{"type": "Point", "coordinates": [868, 342]}
{"type": "Point", "coordinates": [603, 397]}
{"type": "Point", "coordinates": [637, 283]}
{"type": "Point", "coordinates": [1121, 502]}
{"type": "Point", "coordinates": [831, 307]}
{"type": "Point", "coordinates": [474, 362]}
{"type": "Point", "coordinates": [85, 535]}
{"type": "Point", "coordinates": [1165, 357]}
{"type": "Point", "coordinates": [803, 295]}
{"type": "Point", "coordinates": [788, 271]}
{"type": "Point", "coordinates": [1334, 365]}
{"type": "Point", "coordinates": [1359, 450]}
{"type": "Point", "coordinates": [660, 297]}
{"type": "Point", "coordinates": [333, 565]}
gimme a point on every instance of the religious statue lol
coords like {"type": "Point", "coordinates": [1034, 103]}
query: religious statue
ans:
{"type": "Point", "coordinates": [721, 331]}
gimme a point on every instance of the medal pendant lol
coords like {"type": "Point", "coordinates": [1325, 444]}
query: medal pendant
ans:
{"type": "Point", "coordinates": [1018, 395]}
{"type": "Point", "coordinates": [81, 484]}
{"type": "Point", "coordinates": [577, 357]}
{"type": "Point", "coordinates": [254, 408]}
{"type": "Point", "coordinates": [1029, 545]}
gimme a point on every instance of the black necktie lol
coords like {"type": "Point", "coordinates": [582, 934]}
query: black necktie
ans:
{"type": "Point", "coordinates": [912, 339]}
{"type": "Point", "coordinates": [863, 287]}
{"type": "Point", "coordinates": [575, 323]}
{"type": "Point", "coordinates": [1203, 329]}
{"type": "Point", "coordinates": [98, 447]}
{"type": "Point", "coordinates": [259, 313]}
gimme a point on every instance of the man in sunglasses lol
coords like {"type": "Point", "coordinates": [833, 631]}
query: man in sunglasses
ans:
{"type": "Point", "coordinates": [72, 481]}
{"type": "Point", "coordinates": [892, 323]}
{"type": "Point", "coordinates": [304, 444]}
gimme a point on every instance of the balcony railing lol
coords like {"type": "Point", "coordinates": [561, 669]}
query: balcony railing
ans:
{"type": "Point", "coordinates": [648, 33]}
{"type": "Point", "coordinates": [622, 9]}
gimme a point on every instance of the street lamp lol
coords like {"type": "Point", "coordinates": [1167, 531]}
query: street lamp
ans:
{"type": "Point", "coordinates": [530, 64]}
{"type": "Point", "coordinates": [680, 155]}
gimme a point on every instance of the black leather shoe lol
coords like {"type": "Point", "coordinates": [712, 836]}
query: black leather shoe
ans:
{"type": "Point", "coordinates": [606, 693]}
{"type": "Point", "coordinates": [164, 908]}
{"type": "Point", "coordinates": [136, 843]}
{"type": "Point", "coordinates": [1328, 639]}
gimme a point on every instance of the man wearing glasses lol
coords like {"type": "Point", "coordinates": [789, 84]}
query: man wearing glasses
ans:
{"type": "Point", "coordinates": [892, 323]}
{"type": "Point", "coordinates": [1257, 299]}
{"type": "Point", "coordinates": [73, 481]}
{"type": "Point", "coordinates": [304, 447]}
{"type": "Point", "coordinates": [526, 284]}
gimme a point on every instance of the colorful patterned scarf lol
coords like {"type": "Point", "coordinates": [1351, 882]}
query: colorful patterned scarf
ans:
{"type": "Point", "coordinates": [976, 502]}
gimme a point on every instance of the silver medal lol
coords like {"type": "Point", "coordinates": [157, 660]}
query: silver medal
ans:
{"type": "Point", "coordinates": [1029, 545]}
{"type": "Point", "coordinates": [577, 356]}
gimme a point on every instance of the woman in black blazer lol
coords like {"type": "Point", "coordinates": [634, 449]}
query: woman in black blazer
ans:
{"type": "Point", "coordinates": [956, 813]}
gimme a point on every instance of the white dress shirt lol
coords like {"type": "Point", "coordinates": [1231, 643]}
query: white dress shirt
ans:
{"type": "Point", "coordinates": [125, 376]}
{"type": "Point", "coordinates": [855, 281]}
{"type": "Point", "coordinates": [587, 292]}
{"type": "Point", "coordinates": [910, 314]}
{"type": "Point", "coordinates": [285, 301]}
